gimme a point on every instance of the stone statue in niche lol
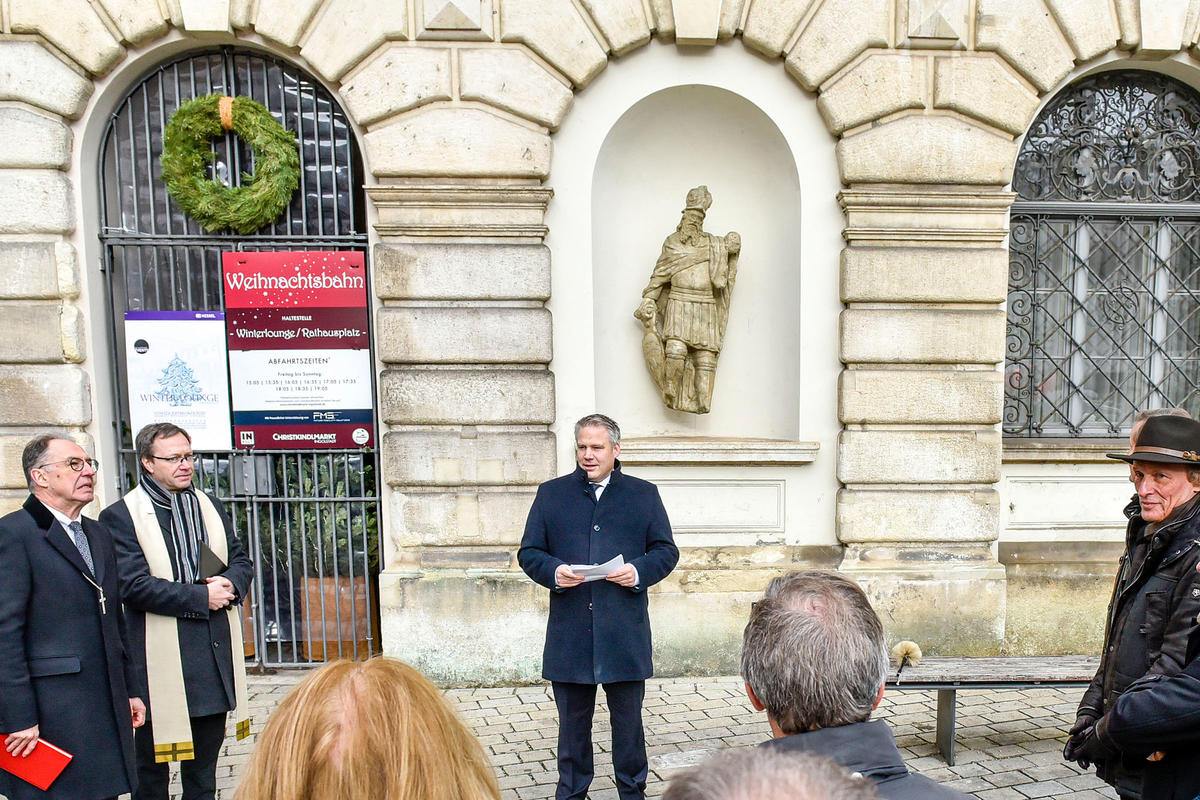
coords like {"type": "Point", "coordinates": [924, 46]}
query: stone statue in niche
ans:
{"type": "Point", "coordinates": [685, 308]}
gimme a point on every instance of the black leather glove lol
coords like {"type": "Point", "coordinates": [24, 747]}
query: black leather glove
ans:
{"type": "Point", "coordinates": [1085, 720]}
{"type": "Point", "coordinates": [1091, 749]}
{"type": "Point", "coordinates": [1078, 732]}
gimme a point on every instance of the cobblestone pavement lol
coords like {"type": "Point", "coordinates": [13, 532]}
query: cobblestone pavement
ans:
{"type": "Point", "coordinates": [1009, 741]}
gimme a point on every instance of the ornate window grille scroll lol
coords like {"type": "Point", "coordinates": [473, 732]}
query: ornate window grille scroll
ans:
{"type": "Point", "coordinates": [1104, 269]}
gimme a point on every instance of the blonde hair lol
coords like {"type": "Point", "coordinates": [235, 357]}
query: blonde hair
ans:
{"type": "Point", "coordinates": [373, 730]}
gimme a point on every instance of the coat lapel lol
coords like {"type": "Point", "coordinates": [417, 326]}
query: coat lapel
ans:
{"type": "Point", "coordinates": [55, 535]}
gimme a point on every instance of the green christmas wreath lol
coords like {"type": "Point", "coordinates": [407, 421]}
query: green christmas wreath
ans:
{"type": "Point", "coordinates": [262, 197]}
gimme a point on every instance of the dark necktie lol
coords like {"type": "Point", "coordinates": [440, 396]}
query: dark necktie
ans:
{"type": "Point", "coordinates": [81, 542]}
{"type": "Point", "coordinates": [594, 488]}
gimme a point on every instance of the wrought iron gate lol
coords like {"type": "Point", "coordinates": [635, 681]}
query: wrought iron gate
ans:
{"type": "Point", "coordinates": [309, 518]}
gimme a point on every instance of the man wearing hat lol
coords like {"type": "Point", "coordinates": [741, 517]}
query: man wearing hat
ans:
{"type": "Point", "coordinates": [1157, 594]}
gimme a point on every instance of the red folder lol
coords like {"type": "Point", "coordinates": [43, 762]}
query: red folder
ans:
{"type": "Point", "coordinates": [41, 767]}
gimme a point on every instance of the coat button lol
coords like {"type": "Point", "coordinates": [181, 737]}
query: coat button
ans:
{"type": "Point", "coordinates": [595, 527]}
{"type": "Point", "coordinates": [589, 606]}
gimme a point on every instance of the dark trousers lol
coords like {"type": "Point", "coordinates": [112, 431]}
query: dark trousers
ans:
{"type": "Point", "coordinates": [198, 775]}
{"type": "Point", "coordinates": [576, 704]}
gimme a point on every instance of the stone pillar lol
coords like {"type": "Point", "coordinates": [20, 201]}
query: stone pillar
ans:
{"type": "Point", "coordinates": [466, 401]}
{"type": "Point", "coordinates": [923, 277]}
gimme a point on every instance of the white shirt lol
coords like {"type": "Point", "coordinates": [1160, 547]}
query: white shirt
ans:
{"type": "Point", "coordinates": [601, 485]}
{"type": "Point", "coordinates": [64, 520]}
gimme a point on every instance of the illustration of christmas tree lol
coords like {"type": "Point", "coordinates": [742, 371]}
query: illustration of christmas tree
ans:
{"type": "Point", "coordinates": [177, 382]}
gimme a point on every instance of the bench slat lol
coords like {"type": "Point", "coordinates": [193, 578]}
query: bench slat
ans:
{"type": "Point", "coordinates": [985, 671]}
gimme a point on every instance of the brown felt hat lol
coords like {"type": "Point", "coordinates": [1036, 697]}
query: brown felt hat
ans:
{"type": "Point", "coordinates": [1166, 440]}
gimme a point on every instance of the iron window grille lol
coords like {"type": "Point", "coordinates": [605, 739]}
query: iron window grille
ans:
{"type": "Point", "coordinates": [1104, 259]}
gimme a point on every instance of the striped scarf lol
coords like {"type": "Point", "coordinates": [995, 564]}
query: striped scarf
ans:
{"type": "Point", "coordinates": [187, 527]}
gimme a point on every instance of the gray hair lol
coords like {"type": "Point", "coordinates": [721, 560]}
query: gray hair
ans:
{"type": "Point", "coordinates": [813, 652]}
{"type": "Point", "coordinates": [143, 443]}
{"type": "Point", "coordinates": [767, 773]}
{"type": "Point", "coordinates": [33, 453]}
{"type": "Point", "coordinates": [600, 421]}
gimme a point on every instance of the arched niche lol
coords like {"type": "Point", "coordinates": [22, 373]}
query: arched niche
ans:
{"type": "Point", "coordinates": [661, 147]}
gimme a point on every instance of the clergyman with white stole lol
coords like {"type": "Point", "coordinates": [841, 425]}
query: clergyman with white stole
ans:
{"type": "Point", "coordinates": [183, 577]}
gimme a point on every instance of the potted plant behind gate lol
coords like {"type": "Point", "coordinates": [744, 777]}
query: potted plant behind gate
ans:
{"type": "Point", "coordinates": [332, 543]}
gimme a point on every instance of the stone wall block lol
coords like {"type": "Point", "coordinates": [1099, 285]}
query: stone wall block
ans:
{"type": "Point", "coordinates": [32, 74]}
{"type": "Point", "coordinates": [731, 18]}
{"type": "Point", "coordinates": [36, 201]}
{"type": "Point", "coordinates": [449, 519]}
{"type": "Point", "coordinates": [44, 394]}
{"type": "Point", "coordinates": [557, 33]}
{"type": "Point", "coordinates": [72, 332]}
{"type": "Point", "coordinates": [462, 271]}
{"type": "Point", "coordinates": [138, 20]}
{"type": "Point", "coordinates": [511, 80]}
{"type": "Point", "coordinates": [771, 24]}
{"type": "Point", "coordinates": [920, 396]}
{"type": "Point", "coordinates": [1089, 25]}
{"type": "Point", "coordinates": [447, 458]}
{"type": "Point", "coordinates": [905, 456]}
{"type": "Point", "coordinates": [349, 29]}
{"type": "Point", "coordinates": [1162, 26]}
{"type": "Point", "coordinates": [1130, 24]}
{"type": "Point", "coordinates": [73, 26]}
{"type": "Point", "coordinates": [69, 279]}
{"type": "Point", "coordinates": [239, 13]}
{"type": "Point", "coordinates": [1027, 35]}
{"type": "Point", "coordinates": [840, 30]}
{"type": "Point", "coordinates": [284, 21]}
{"type": "Point", "coordinates": [467, 397]}
{"type": "Point", "coordinates": [983, 88]}
{"type": "Point", "coordinates": [458, 335]}
{"type": "Point", "coordinates": [30, 332]}
{"type": "Point", "coordinates": [398, 78]}
{"type": "Point", "coordinates": [880, 85]}
{"type": "Point", "coordinates": [928, 336]}
{"type": "Point", "coordinates": [924, 275]}
{"type": "Point", "coordinates": [697, 22]}
{"type": "Point", "coordinates": [622, 22]}
{"type": "Point", "coordinates": [457, 142]}
{"type": "Point", "coordinates": [898, 515]}
{"type": "Point", "coordinates": [663, 14]}
{"type": "Point", "coordinates": [924, 149]}
{"type": "Point", "coordinates": [29, 271]}
{"type": "Point", "coordinates": [33, 140]}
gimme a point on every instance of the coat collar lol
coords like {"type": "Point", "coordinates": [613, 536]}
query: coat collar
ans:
{"type": "Point", "coordinates": [864, 747]}
{"type": "Point", "coordinates": [58, 539]}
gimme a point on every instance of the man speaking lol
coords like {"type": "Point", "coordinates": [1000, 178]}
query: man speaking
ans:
{"type": "Point", "coordinates": [599, 629]}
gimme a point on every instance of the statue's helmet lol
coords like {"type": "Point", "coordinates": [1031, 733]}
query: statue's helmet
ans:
{"type": "Point", "coordinates": [698, 199]}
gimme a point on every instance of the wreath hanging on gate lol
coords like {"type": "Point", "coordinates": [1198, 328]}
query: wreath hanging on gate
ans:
{"type": "Point", "coordinates": [186, 154]}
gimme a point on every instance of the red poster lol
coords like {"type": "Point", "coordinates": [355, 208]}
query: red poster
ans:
{"type": "Point", "coordinates": [299, 350]}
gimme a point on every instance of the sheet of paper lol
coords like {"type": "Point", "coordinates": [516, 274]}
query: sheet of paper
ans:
{"type": "Point", "coordinates": [598, 572]}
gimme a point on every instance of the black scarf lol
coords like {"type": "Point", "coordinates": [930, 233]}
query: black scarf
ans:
{"type": "Point", "coordinates": [187, 527]}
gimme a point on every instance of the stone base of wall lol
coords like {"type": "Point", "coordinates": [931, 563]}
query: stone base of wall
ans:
{"type": "Point", "coordinates": [949, 600]}
{"type": "Point", "coordinates": [1058, 595]}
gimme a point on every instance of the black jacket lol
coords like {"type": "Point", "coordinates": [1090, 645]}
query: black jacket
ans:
{"type": "Point", "coordinates": [1160, 714]}
{"type": "Point", "coordinates": [598, 632]}
{"type": "Point", "coordinates": [64, 665]}
{"type": "Point", "coordinates": [1151, 617]}
{"type": "Point", "coordinates": [204, 646]}
{"type": "Point", "coordinates": [869, 749]}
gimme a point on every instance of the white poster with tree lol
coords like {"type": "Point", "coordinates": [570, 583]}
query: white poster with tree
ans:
{"type": "Point", "coordinates": [177, 371]}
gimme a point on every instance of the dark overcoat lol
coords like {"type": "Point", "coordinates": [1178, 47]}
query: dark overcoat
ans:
{"type": "Point", "coordinates": [64, 665]}
{"type": "Point", "coordinates": [598, 632]}
{"type": "Point", "coordinates": [204, 647]}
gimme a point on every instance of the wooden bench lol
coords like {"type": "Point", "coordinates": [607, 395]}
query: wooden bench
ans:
{"type": "Point", "coordinates": [948, 675]}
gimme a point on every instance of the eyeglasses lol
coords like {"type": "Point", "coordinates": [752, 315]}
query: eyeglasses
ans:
{"type": "Point", "coordinates": [173, 460]}
{"type": "Point", "coordinates": [76, 464]}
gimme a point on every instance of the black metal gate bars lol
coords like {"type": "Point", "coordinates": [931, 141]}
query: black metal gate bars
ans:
{"type": "Point", "coordinates": [309, 518]}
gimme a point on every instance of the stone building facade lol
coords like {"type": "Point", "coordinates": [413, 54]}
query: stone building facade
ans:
{"type": "Point", "coordinates": [516, 153]}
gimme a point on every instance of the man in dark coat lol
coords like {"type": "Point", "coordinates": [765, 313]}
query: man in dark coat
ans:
{"type": "Point", "coordinates": [161, 530]}
{"type": "Point", "coordinates": [599, 629]}
{"type": "Point", "coordinates": [1152, 616]}
{"type": "Point", "coordinates": [813, 656]}
{"type": "Point", "coordinates": [65, 670]}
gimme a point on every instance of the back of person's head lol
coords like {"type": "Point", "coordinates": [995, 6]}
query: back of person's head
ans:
{"type": "Point", "coordinates": [813, 652]}
{"type": "Point", "coordinates": [762, 773]}
{"type": "Point", "coordinates": [372, 730]}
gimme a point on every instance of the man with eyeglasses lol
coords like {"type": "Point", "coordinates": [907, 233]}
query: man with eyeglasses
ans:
{"type": "Point", "coordinates": [183, 575]}
{"type": "Point", "coordinates": [66, 672]}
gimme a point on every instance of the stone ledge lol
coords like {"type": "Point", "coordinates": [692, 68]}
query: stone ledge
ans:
{"type": "Point", "coordinates": [1057, 451]}
{"type": "Point", "coordinates": [492, 212]}
{"type": "Point", "coordinates": [678, 450]}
